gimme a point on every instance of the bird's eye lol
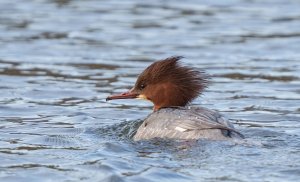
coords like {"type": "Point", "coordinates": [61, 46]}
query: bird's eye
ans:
{"type": "Point", "coordinates": [142, 86]}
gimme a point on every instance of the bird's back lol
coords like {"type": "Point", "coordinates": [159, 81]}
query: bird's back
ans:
{"type": "Point", "coordinates": [186, 123]}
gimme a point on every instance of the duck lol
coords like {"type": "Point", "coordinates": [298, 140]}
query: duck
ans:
{"type": "Point", "coordinates": [171, 87]}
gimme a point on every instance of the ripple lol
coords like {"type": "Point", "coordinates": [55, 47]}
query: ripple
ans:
{"type": "Point", "coordinates": [271, 36]}
{"type": "Point", "coordinates": [241, 76]}
{"type": "Point", "coordinates": [95, 66]}
{"type": "Point", "coordinates": [286, 19]}
{"type": "Point", "coordinates": [49, 35]}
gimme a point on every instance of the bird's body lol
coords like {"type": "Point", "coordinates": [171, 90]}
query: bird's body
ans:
{"type": "Point", "coordinates": [186, 123]}
{"type": "Point", "coordinates": [170, 87]}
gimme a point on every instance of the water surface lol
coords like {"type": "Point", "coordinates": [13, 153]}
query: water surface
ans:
{"type": "Point", "coordinates": [59, 60]}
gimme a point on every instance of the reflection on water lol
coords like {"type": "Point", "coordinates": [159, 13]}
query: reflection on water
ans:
{"type": "Point", "coordinates": [60, 59]}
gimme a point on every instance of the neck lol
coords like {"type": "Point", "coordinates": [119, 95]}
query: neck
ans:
{"type": "Point", "coordinates": [156, 108]}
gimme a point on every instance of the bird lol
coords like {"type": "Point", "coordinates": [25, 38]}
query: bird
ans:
{"type": "Point", "coordinates": [171, 87]}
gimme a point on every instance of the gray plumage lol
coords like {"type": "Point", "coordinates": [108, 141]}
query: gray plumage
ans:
{"type": "Point", "coordinates": [186, 123]}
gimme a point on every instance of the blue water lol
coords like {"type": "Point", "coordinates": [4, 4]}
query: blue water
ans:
{"type": "Point", "coordinates": [60, 59]}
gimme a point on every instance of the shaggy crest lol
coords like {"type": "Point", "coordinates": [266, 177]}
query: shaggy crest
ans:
{"type": "Point", "coordinates": [183, 83]}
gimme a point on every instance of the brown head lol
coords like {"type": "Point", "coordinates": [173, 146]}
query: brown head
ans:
{"type": "Point", "coordinates": [167, 83]}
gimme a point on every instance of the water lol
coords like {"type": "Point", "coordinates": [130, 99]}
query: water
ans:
{"type": "Point", "coordinates": [59, 60]}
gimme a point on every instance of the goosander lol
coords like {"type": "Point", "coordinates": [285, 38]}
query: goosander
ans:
{"type": "Point", "coordinates": [170, 86]}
